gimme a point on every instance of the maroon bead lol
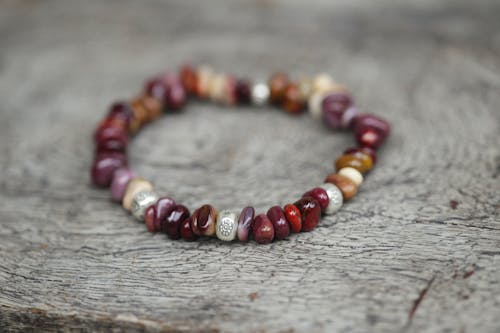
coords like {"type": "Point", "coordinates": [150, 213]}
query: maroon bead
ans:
{"type": "Point", "coordinates": [111, 139]}
{"type": "Point", "coordinates": [348, 117]}
{"type": "Point", "coordinates": [104, 166]}
{"type": "Point", "coordinates": [333, 107]}
{"type": "Point", "coordinates": [310, 211]}
{"type": "Point", "coordinates": [171, 224]}
{"type": "Point", "coordinates": [263, 230]}
{"type": "Point", "coordinates": [156, 88]}
{"type": "Point", "coordinates": [164, 207]}
{"type": "Point", "coordinates": [119, 182]}
{"type": "Point", "coordinates": [243, 92]}
{"type": "Point", "coordinates": [203, 221]}
{"type": "Point", "coordinates": [122, 111]}
{"type": "Point", "coordinates": [176, 97]}
{"type": "Point", "coordinates": [320, 195]}
{"type": "Point", "coordinates": [186, 232]}
{"type": "Point", "coordinates": [370, 121]}
{"type": "Point", "coordinates": [365, 150]}
{"type": "Point", "coordinates": [280, 224]}
{"type": "Point", "coordinates": [368, 137]}
{"type": "Point", "coordinates": [149, 218]}
{"type": "Point", "coordinates": [109, 128]}
{"type": "Point", "coordinates": [245, 222]}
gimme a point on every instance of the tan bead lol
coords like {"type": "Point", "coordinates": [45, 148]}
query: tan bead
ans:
{"type": "Point", "coordinates": [135, 186]}
{"type": "Point", "coordinates": [359, 161]}
{"type": "Point", "coordinates": [314, 104]}
{"type": "Point", "coordinates": [345, 185]}
{"type": "Point", "coordinates": [204, 74]}
{"type": "Point", "coordinates": [139, 115]}
{"type": "Point", "coordinates": [322, 82]}
{"type": "Point", "coordinates": [153, 107]}
{"type": "Point", "coordinates": [216, 87]}
{"type": "Point", "coordinates": [305, 88]}
{"type": "Point", "coordinates": [352, 174]}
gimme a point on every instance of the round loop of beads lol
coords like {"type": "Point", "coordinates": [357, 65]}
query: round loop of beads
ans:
{"type": "Point", "coordinates": [166, 93]}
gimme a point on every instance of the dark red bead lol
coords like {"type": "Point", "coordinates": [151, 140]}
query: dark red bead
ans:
{"type": "Point", "coordinates": [368, 137]}
{"type": "Point", "coordinates": [320, 195]}
{"type": "Point", "coordinates": [333, 107]}
{"type": "Point", "coordinates": [245, 222]}
{"type": "Point", "coordinates": [262, 230]}
{"type": "Point", "coordinates": [243, 92]}
{"type": "Point", "coordinates": [186, 232]}
{"type": "Point", "coordinates": [111, 139]}
{"type": "Point", "coordinates": [311, 212]}
{"type": "Point", "coordinates": [203, 221]}
{"type": "Point", "coordinates": [164, 207]}
{"type": "Point", "coordinates": [149, 218]}
{"type": "Point", "coordinates": [189, 78]}
{"type": "Point", "coordinates": [171, 224]}
{"type": "Point", "coordinates": [104, 166]}
{"type": "Point", "coordinates": [109, 127]}
{"type": "Point", "coordinates": [176, 97]}
{"type": "Point", "coordinates": [365, 150]}
{"type": "Point", "coordinates": [280, 224]}
{"type": "Point", "coordinates": [122, 111]}
{"type": "Point", "coordinates": [370, 121]}
{"type": "Point", "coordinates": [156, 88]}
{"type": "Point", "coordinates": [293, 216]}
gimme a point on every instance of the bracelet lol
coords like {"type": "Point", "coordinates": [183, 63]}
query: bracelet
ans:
{"type": "Point", "coordinates": [167, 93]}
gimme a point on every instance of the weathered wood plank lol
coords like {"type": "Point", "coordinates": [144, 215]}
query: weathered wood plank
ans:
{"type": "Point", "coordinates": [417, 250]}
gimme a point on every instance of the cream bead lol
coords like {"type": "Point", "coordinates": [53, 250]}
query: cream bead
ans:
{"type": "Point", "coordinates": [260, 94]}
{"type": "Point", "coordinates": [136, 185]}
{"type": "Point", "coordinates": [314, 104]}
{"type": "Point", "coordinates": [335, 198]}
{"type": "Point", "coordinates": [352, 174]}
{"type": "Point", "coordinates": [226, 225]}
{"type": "Point", "coordinates": [305, 88]}
{"type": "Point", "coordinates": [205, 74]}
{"type": "Point", "coordinates": [141, 201]}
{"type": "Point", "coordinates": [322, 82]}
{"type": "Point", "coordinates": [216, 87]}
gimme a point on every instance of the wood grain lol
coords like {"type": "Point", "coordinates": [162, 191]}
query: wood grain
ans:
{"type": "Point", "coordinates": [416, 251]}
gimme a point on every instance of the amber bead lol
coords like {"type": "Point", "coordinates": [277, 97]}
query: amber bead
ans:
{"type": "Point", "coordinates": [277, 86]}
{"type": "Point", "coordinates": [345, 185]}
{"type": "Point", "coordinates": [280, 224]}
{"type": "Point", "coordinates": [186, 231]}
{"type": "Point", "coordinates": [104, 166]}
{"type": "Point", "coordinates": [189, 79]}
{"type": "Point", "coordinates": [359, 161]}
{"type": "Point", "coordinates": [140, 116]}
{"type": "Point", "coordinates": [320, 195]}
{"type": "Point", "coordinates": [293, 216]}
{"type": "Point", "coordinates": [263, 229]}
{"type": "Point", "coordinates": [366, 150]}
{"type": "Point", "coordinates": [203, 221]}
{"type": "Point", "coordinates": [310, 210]}
{"type": "Point", "coordinates": [153, 107]}
{"type": "Point", "coordinates": [172, 222]}
{"type": "Point", "coordinates": [245, 222]}
{"type": "Point", "coordinates": [292, 100]}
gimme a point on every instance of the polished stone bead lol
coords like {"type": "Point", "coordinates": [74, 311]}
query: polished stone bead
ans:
{"type": "Point", "coordinates": [263, 229]}
{"type": "Point", "coordinates": [359, 161]}
{"type": "Point", "coordinates": [189, 78]}
{"type": "Point", "coordinates": [216, 87]}
{"type": "Point", "coordinates": [260, 94]}
{"type": "Point", "coordinates": [119, 182]}
{"type": "Point", "coordinates": [121, 111]}
{"type": "Point", "coordinates": [322, 82]}
{"type": "Point", "coordinates": [333, 107]}
{"type": "Point", "coordinates": [149, 218]}
{"type": "Point", "coordinates": [293, 216]}
{"type": "Point", "coordinates": [368, 137]}
{"type": "Point", "coordinates": [230, 97]}
{"type": "Point", "coordinates": [135, 185]}
{"type": "Point", "coordinates": [335, 197]}
{"type": "Point", "coordinates": [245, 222]}
{"type": "Point", "coordinates": [226, 226]}
{"type": "Point", "coordinates": [176, 97]}
{"type": "Point", "coordinates": [172, 222]}
{"type": "Point", "coordinates": [156, 88]}
{"type": "Point", "coordinates": [292, 99]}
{"type": "Point", "coordinates": [164, 206]}
{"type": "Point", "coordinates": [370, 121]}
{"type": "Point", "coordinates": [186, 231]}
{"type": "Point", "coordinates": [152, 106]}
{"type": "Point", "coordinates": [320, 195]}
{"type": "Point", "coordinates": [280, 224]}
{"type": "Point", "coordinates": [104, 166]}
{"type": "Point", "coordinates": [204, 75]}
{"type": "Point", "coordinates": [352, 174]}
{"type": "Point", "coordinates": [140, 116]}
{"type": "Point", "coordinates": [345, 185]}
{"type": "Point", "coordinates": [314, 104]}
{"type": "Point", "coordinates": [109, 128]}
{"type": "Point", "coordinates": [365, 150]}
{"type": "Point", "coordinates": [348, 117]}
{"type": "Point", "coordinates": [141, 201]}
{"type": "Point", "coordinates": [310, 210]}
{"type": "Point", "coordinates": [277, 86]}
{"type": "Point", "coordinates": [203, 221]}
{"type": "Point", "coordinates": [243, 92]}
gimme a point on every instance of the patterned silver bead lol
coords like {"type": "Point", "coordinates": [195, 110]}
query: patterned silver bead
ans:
{"type": "Point", "coordinates": [335, 196]}
{"type": "Point", "coordinates": [260, 94]}
{"type": "Point", "coordinates": [226, 226]}
{"type": "Point", "coordinates": [141, 201]}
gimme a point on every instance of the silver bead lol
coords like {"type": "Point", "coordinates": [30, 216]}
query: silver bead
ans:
{"type": "Point", "coordinates": [335, 198]}
{"type": "Point", "coordinates": [260, 94]}
{"type": "Point", "coordinates": [226, 226]}
{"type": "Point", "coordinates": [141, 201]}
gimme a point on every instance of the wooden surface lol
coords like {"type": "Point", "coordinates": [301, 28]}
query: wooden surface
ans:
{"type": "Point", "coordinates": [418, 250]}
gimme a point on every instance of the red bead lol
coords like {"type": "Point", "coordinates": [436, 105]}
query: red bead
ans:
{"type": "Point", "coordinates": [280, 224]}
{"type": "Point", "coordinates": [176, 97]}
{"type": "Point", "coordinates": [164, 207]}
{"type": "Point", "coordinates": [189, 78]}
{"type": "Point", "coordinates": [186, 232]}
{"type": "Point", "coordinates": [263, 230]}
{"type": "Point", "coordinates": [122, 111]}
{"type": "Point", "coordinates": [245, 222]}
{"type": "Point", "coordinates": [365, 150]}
{"type": "Point", "coordinates": [171, 224]}
{"type": "Point", "coordinates": [310, 211]}
{"type": "Point", "coordinates": [104, 166]}
{"type": "Point", "coordinates": [149, 218]}
{"type": "Point", "coordinates": [320, 195]}
{"type": "Point", "coordinates": [368, 137]}
{"type": "Point", "coordinates": [333, 107]}
{"type": "Point", "coordinates": [111, 139]}
{"type": "Point", "coordinates": [293, 216]}
{"type": "Point", "coordinates": [243, 92]}
{"type": "Point", "coordinates": [108, 128]}
{"type": "Point", "coordinates": [375, 123]}
{"type": "Point", "coordinates": [156, 88]}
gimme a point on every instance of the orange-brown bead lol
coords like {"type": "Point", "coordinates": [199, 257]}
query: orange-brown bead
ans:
{"type": "Point", "coordinates": [277, 86]}
{"type": "Point", "coordinates": [139, 116]}
{"type": "Point", "coordinates": [359, 161]}
{"type": "Point", "coordinates": [292, 101]}
{"type": "Point", "coordinates": [346, 185]}
{"type": "Point", "coordinates": [203, 221]}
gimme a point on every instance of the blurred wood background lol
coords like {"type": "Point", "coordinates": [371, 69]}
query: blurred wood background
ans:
{"type": "Point", "coordinates": [418, 250]}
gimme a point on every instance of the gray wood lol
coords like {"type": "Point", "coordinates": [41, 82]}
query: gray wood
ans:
{"type": "Point", "coordinates": [416, 251]}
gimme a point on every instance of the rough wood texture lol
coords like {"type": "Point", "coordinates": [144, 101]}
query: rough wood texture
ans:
{"type": "Point", "coordinates": [416, 251]}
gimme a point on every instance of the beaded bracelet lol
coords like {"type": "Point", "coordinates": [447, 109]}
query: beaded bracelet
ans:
{"type": "Point", "coordinates": [322, 96]}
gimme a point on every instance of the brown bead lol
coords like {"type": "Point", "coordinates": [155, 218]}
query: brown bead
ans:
{"type": "Point", "coordinates": [359, 161]}
{"type": "Point", "coordinates": [345, 184]}
{"type": "Point", "coordinates": [203, 221]}
{"type": "Point", "coordinates": [277, 86]}
{"type": "Point", "coordinates": [189, 79]}
{"type": "Point", "coordinates": [153, 107]}
{"type": "Point", "coordinates": [139, 116]}
{"type": "Point", "coordinates": [292, 101]}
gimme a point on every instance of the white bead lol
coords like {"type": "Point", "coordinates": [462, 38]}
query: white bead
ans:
{"type": "Point", "coordinates": [226, 225]}
{"type": "Point", "coordinates": [335, 198]}
{"type": "Point", "coordinates": [260, 94]}
{"type": "Point", "coordinates": [322, 82]}
{"type": "Point", "coordinates": [352, 174]}
{"type": "Point", "coordinates": [314, 104]}
{"type": "Point", "coordinates": [141, 201]}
